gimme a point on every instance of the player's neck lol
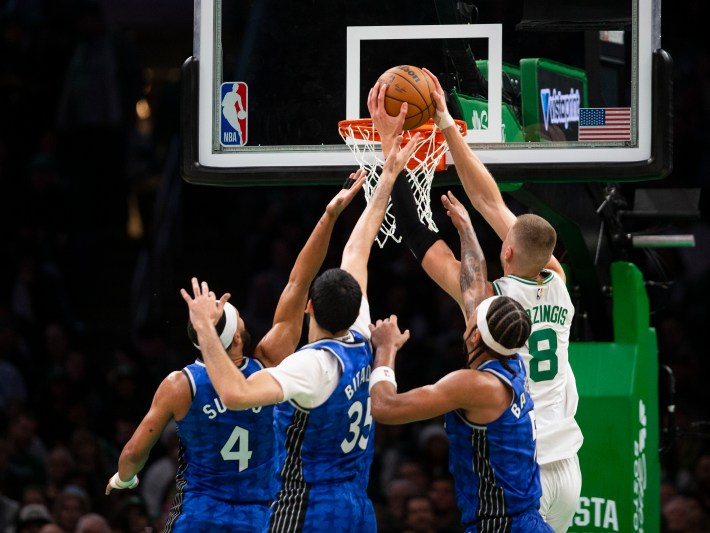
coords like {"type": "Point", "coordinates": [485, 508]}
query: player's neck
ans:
{"type": "Point", "coordinates": [317, 333]}
{"type": "Point", "coordinates": [515, 270]}
{"type": "Point", "coordinates": [237, 357]}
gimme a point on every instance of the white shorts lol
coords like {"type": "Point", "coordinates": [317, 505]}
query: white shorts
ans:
{"type": "Point", "coordinates": [561, 486]}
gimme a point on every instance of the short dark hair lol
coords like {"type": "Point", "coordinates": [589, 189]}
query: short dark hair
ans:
{"type": "Point", "coordinates": [535, 240]}
{"type": "Point", "coordinates": [335, 296]}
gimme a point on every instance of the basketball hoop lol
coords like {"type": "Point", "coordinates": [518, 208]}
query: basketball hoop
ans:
{"type": "Point", "coordinates": [364, 142]}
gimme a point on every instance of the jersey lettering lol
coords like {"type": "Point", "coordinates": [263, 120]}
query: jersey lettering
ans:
{"type": "Point", "coordinates": [212, 412]}
{"type": "Point", "coordinates": [358, 435]}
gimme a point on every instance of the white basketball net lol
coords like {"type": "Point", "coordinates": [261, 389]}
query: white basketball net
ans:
{"type": "Point", "coordinates": [365, 146]}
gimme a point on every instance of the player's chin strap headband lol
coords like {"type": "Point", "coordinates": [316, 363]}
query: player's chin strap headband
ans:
{"type": "Point", "coordinates": [482, 324]}
{"type": "Point", "coordinates": [230, 318]}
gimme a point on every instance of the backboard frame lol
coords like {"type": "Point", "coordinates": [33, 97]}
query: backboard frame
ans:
{"type": "Point", "coordinates": [650, 158]}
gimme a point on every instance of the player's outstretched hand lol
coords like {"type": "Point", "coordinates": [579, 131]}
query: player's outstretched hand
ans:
{"type": "Point", "coordinates": [387, 126]}
{"type": "Point", "coordinates": [351, 187]}
{"type": "Point", "coordinates": [204, 307]}
{"type": "Point", "coordinates": [398, 157]}
{"type": "Point", "coordinates": [438, 92]}
{"type": "Point", "coordinates": [386, 334]}
{"type": "Point", "coordinates": [442, 118]}
{"type": "Point", "coordinates": [456, 211]}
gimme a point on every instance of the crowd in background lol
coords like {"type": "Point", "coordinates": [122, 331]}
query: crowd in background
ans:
{"type": "Point", "coordinates": [99, 232]}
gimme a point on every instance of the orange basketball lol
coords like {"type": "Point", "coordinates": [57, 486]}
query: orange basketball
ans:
{"type": "Point", "coordinates": [408, 84]}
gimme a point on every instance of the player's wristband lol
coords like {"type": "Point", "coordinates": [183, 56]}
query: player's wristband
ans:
{"type": "Point", "coordinates": [382, 373]}
{"type": "Point", "coordinates": [444, 119]}
{"type": "Point", "coordinates": [116, 482]}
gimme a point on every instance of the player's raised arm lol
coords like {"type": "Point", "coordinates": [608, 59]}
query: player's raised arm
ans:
{"type": "Point", "coordinates": [235, 390]}
{"type": "Point", "coordinates": [480, 186]}
{"type": "Point", "coordinates": [462, 389]}
{"type": "Point", "coordinates": [282, 339]}
{"type": "Point", "coordinates": [473, 277]}
{"type": "Point", "coordinates": [357, 250]}
{"type": "Point", "coordinates": [387, 126]}
{"type": "Point", "coordinates": [478, 183]}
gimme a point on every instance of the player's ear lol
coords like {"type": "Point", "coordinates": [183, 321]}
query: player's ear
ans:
{"type": "Point", "coordinates": [508, 253]}
{"type": "Point", "coordinates": [309, 307]}
{"type": "Point", "coordinates": [237, 342]}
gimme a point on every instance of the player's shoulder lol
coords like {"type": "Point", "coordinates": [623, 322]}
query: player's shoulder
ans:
{"type": "Point", "coordinates": [176, 381]}
{"type": "Point", "coordinates": [175, 394]}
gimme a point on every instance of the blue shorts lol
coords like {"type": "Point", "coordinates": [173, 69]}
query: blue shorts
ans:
{"type": "Point", "coordinates": [323, 508]}
{"type": "Point", "coordinates": [198, 513]}
{"type": "Point", "coordinates": [528, 522]}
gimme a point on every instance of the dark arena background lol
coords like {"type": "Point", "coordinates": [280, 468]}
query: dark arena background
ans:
{"type": "Point", "coordinates": [99, 231]}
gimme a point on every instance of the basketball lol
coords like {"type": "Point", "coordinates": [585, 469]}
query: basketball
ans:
{"type": "Point", "coordinates": [408, 84]}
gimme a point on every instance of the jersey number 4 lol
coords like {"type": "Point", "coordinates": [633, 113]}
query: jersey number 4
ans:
{"type": "Point", "coordinates": [543, 348]}
{"type": "Point", "coordinates": [237, 448]}
{"type": "Point", "coordinates": [355, 414]}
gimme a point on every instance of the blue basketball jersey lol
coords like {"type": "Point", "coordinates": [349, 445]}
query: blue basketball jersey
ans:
{"type": "Point", "coordinates": [227, 455]}
{"type": "Point", "coordinates": [495, 467]}
{"type": "Point", "coordinates": [329, 446]}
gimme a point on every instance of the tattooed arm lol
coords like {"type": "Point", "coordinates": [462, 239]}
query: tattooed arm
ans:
{"type": "Point", "coordinates": [474, 277]}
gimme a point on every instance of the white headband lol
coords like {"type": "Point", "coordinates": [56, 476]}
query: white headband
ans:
{"type": "Point", "coordinates": [482, 324]}
{"type": "Point", "coordinates": [231, 321]}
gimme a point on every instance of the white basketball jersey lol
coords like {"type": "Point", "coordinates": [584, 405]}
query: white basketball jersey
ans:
{"type": "Point", "coordinates": [552, 384]}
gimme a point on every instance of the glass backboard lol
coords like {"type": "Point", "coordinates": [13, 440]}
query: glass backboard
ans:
{"type": "Point", "coordinates": [549, 91]}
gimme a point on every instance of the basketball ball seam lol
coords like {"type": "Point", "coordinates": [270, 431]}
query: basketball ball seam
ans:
{"type": "Point", "coordinates": [416, 89]}
{"type": "Point", "coordinates": [405, 81]}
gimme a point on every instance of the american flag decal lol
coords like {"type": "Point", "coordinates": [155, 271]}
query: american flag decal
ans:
{"type": "Point", "coordinates": [605, 124]}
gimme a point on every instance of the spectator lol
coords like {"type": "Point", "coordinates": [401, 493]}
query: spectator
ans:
{"type": "Point", "coordinates": [701, 484]}
{"type": "Point", "coordinates": [51, 528]}
{"type": "Point", "coordinates": [131, 515]}
{"type": "Point", "coordinates": [60, 469]}
{"type": "Point", "coordinates": [434, 450]}
{"type": "Point", "coordinates": [93, 523]}
{"type": "Point", "coordinates": [397, 492]}
{"type": "Point", "coordinates": [411, 470]}
{"type": "Point", "coordinates": [684, 514]}
{"type": "Point", "coordinates": [90, 465]}
{"type": "Point", "coordinates": [32, 517]}
{"type": "Point", "coordinates": [443, 497]}
{"type": "Point", "coordinates": [26, 453]}
{"type": "Point", "coordinates": [70, 505]}
{"type": "Point", "coordinates": [418, 515]}
{"type": "Point", "coordinates": [8, 511]}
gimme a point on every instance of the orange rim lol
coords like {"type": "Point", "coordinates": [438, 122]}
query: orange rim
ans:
{"type": "Point", "coordinates": [356, 129]}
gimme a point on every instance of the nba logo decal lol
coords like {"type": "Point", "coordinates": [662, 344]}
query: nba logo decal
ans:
{"type": "Point", "coordinates": [233, 116]}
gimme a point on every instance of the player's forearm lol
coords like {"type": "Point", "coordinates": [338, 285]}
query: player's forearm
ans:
{"type": "Point", "coordinates": [130, 464]}
{"type": "Point", "coordinates": [382, 398]}
{"type": "Point", "coordinates": [473, 276]}
{"type": "Point", "coordinates": [388, 141]}
{"type": "Point", "coordinates": [388, 407]}
{"type": "Point", "coordinates": [479, 184]}
{"type": "Point", "coordinates": [367, 226]}
{"type": "Point", "coordinates": [313, 254]}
